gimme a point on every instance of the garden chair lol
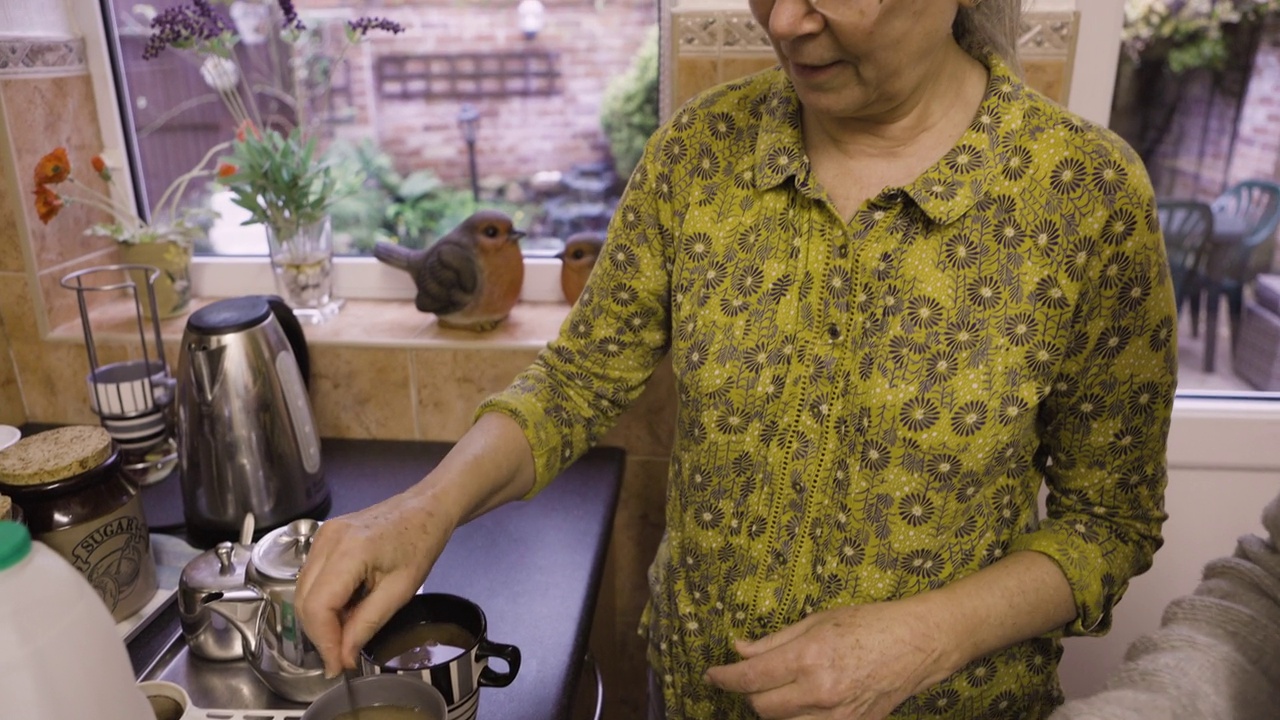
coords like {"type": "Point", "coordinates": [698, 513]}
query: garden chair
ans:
{"type": "Point", "coordinates": [1187, 226]}
{"type": "Point", "coordinates": [1244, 219]}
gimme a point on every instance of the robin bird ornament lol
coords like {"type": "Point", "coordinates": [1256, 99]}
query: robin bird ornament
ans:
{"type": "Point", "coordinates": [471, 277]}
{"type": "Point", "coordinates": [579, 256]}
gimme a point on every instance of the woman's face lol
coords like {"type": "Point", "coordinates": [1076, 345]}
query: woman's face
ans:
{"type": "Point", "coordinates": [862, 58]}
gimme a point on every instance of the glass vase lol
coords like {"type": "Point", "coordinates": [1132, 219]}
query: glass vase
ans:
{"type": "Point", "coordinates": [302, 259]}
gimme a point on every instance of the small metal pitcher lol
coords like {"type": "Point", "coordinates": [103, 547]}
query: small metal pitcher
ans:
{"type": "Point", "coordinates": [262, 611]}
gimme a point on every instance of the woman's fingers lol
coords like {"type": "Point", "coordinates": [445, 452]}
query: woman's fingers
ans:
{"type": "Point", "coordinates": [371, 613]}
{"type": "Point", "coordinates": [321, 605]}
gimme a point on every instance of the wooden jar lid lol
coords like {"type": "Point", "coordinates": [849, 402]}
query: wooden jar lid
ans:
{"type": "Point", "coordinates": [54, 455]}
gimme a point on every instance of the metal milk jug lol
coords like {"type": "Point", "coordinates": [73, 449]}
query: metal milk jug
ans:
{"type": "Point", "coordinates": [275, 644]}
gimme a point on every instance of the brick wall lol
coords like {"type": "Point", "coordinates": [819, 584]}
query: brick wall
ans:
{"type": "Point", "coordinates": [1257, 148]}
{"type": "Point", "coordinates": [519, 135]}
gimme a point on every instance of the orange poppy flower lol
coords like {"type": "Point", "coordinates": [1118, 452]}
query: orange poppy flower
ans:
{"type": "Point", "coordinates": [48, 203]}
{"type": "Point", "coordinates": [53, 168]}
{"type": "Point", "coordinates": [100, 167]}
{"type": "Point", "coordinates": [226, 170]}
{"type": "Point", "coordinates": [246, 128]}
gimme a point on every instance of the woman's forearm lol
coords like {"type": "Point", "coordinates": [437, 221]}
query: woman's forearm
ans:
{"type": "Point", "coordinates": [492, 464]}
{"type": "Point", "coordinates": [1022, 596]}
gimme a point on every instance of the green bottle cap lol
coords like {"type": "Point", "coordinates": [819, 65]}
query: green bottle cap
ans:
{"type": "Point", "coordinates": [15, 543]}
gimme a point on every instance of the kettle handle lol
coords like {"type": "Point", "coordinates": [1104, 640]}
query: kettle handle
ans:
{"type": "Point", "coordinates": [293, 333]}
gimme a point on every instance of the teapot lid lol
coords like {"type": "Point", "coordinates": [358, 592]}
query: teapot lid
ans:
{"type": "Point", "coordinates": [280, 553]}
{"type": "Point", "coordinates": [221, 568]}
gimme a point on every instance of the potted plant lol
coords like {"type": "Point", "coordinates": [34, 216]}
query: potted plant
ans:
{"type": "Point", "coordinates": [274, 169]}
{"type": "Point", "coordinates": [165, 242]}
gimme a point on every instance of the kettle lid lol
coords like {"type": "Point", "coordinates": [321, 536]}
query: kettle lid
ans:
{"type": "Point", "coordinates": [230, 315]}
{"type": "Point", "coordinates": [280, 553]}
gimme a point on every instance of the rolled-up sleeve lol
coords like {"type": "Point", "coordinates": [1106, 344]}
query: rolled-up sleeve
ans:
{"type": "Point", "coordinates": [611, 341]}
{"type": "Point", "coordinates": [1105, 420]}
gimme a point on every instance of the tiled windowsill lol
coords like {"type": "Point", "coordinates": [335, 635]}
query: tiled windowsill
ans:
{"type": "Point", "coordinates": [361, 323]}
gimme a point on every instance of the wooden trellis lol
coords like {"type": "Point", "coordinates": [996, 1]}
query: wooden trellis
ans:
{"type": "Point", "coordinates": [467, 75]}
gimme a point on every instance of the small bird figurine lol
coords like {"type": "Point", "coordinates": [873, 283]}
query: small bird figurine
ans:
{"type": "Point", "coordinates": [471, 277]}
{"type": "Point", "coordinates": [579, 256]}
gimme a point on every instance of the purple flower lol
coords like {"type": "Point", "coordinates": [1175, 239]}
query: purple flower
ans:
{"type": "Point", "coordinates": [183, 24]}
{"type": "Point", "coordinates": [363, 25]}
{"type": "Point", "coordinates": [290, 16]}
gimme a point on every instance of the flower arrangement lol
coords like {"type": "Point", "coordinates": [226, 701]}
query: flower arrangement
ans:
{"type": "Point", "coordinates": [274, 170]}
{"type": "Point", "coordinates": [57, 186]}
{"type": "Point", "coordinates": [1188, 33]}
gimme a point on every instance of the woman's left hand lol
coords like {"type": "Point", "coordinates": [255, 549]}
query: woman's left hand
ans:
{"type": "Point", "coordinates": [848, 663]}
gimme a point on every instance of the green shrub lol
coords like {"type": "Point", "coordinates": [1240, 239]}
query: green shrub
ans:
{"type": "Point", "coordinates": [629, 111]}
{"type": "Point", "coordinates": [412, 210]}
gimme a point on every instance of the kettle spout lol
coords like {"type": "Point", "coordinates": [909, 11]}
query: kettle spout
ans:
{"type": "Point", "coordinates": [243, 609]}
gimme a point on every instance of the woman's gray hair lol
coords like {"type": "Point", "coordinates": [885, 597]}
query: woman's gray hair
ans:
{"type": "Point", "coordinates": [990, 26]}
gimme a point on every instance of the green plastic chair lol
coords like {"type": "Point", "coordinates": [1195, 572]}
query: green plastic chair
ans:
{"type": "Point", "coordinates": [1245, 217]}
{"type": "Point", "coordinates": [1186, 226]}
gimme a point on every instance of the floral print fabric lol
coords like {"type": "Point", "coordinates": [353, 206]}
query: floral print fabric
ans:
{"type": "Point", "coordinates": [868, 409]}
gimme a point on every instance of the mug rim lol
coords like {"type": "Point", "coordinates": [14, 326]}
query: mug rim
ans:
{"type": "Point", "coordinates": [399, 620]}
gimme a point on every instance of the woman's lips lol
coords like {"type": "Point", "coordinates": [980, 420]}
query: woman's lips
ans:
{"type": "Point", "coordinates": [811, 72]}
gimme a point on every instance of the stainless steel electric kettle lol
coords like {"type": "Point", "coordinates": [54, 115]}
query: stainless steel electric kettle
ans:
{"type": "Point", "coordinates": [247, 441]}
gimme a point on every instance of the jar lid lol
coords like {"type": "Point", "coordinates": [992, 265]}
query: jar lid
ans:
{"type": "Point", "coordinates": [15, 543]}
{"type": "Point", "coordinates": [280, 553]}
{"type": "Point", "coordinates": [54, 455]}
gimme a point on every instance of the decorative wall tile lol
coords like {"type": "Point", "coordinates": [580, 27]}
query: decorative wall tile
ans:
{"type": "Point", "coordinates": [12, 409]}
{"type": "Point", "coordinates": [1047, 34]}
{"type": "Point", "coordinates": [11, 259]}
{"type": "Point", "coordinates": [362, 392]}
{"type": "Point", "coordinates": [62, 306]}
{"type": "Point", "coordinates": [66, 109]}
{"type": "Point", "coordinates": [17, 307]}
{"type": "Point", "coordinates": [450, 384]}
{"type": "Point", "coordinates": [45, 57]}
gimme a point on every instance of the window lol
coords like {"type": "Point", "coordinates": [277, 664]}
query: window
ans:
{"type": "Point", "coordinates": [466, 108]}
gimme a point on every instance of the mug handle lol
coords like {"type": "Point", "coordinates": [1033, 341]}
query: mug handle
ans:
{"type": "Point", "coordinates": [490, 677]}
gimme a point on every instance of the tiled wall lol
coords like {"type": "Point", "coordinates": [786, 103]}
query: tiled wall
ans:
{"type": "Point", "coordinates": [46, 100]}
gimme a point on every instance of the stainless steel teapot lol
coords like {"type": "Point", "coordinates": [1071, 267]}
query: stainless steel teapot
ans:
{"type": "Point", "coordinates": [262, 611]}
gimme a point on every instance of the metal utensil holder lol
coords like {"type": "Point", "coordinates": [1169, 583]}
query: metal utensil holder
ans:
{"type": "Point", "coordinates": [133, 398]}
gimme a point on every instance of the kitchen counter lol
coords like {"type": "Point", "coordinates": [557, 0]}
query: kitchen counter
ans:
{"type": "Point", "coordinates": [534, 567]}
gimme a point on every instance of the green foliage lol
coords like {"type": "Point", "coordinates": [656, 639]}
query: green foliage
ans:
{"type": "Point", "coordinates": [412, 210]}
{"type": "Point", "coordinates": [280, 179]}
{"type": "Point", "coordinates": [1187, 35]}
{"type": "Point", "coordinates": [629, 111]}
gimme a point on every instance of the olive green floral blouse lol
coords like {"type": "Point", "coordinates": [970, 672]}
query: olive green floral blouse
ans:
{"type": "Point", "coordinates": [867, 410]}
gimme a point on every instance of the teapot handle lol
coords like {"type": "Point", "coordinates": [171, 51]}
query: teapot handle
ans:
{"type": "Point", "coordinates": [293, 332]}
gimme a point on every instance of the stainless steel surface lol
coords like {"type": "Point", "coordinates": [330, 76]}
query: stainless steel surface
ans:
{"type": "Point", "coordinates": [221, 569]}
{"type": "Point", "coordinates": [262, 612]}
{"type": "Point", "coordinates": [247, 439]}
{"type": "Point", "coordinates": [228, 685]}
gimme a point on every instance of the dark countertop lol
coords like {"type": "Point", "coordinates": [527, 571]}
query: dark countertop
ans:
{"type": "Point", "coordinates": [534, 567]}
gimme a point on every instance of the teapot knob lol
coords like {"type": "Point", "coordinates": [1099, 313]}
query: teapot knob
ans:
{"type": "Point", "coordinates": [226, 565]}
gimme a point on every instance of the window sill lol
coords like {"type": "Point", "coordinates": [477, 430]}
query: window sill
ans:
{"type": "Point", "coordinates": [361, 323]}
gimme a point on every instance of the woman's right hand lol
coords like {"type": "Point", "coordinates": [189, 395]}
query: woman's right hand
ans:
{"type": "Point", "coordinates": [362, 568]}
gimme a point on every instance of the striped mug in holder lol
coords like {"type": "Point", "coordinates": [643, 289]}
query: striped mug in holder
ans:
{"type": "Point", "coordinates": [441, 639]}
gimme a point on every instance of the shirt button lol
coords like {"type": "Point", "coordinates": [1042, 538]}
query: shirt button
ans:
{"type": "Point", "coordinates": [833, 331]}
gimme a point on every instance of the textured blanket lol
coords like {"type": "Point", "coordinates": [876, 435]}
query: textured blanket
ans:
{"type": "Point", "coordinates": [1216, 655]}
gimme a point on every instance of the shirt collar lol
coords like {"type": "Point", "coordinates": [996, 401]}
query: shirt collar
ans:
{"type": "Point", "coordinates": [944, 192]}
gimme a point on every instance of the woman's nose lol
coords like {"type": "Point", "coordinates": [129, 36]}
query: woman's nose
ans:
{"type": "Point", "coordinates": [794, 18]}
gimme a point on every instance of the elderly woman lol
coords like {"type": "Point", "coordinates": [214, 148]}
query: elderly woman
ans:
{"type": "Point", "coordinates": [901, 293]}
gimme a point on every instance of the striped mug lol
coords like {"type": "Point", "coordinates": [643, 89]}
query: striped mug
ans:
{"type": "Point", "coordinates": [441, 639]}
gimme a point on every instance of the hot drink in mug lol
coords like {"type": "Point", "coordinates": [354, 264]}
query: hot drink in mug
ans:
{"type": "Point", "coordinates": [441, 639]}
